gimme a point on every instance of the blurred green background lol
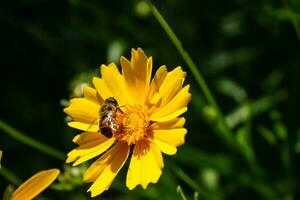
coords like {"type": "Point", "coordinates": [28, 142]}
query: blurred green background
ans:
{"type": "Point", "coordinates": [247, 50]}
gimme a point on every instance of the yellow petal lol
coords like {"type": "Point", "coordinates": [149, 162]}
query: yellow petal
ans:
{"type": "Point", "coordinates": [105, 169]}
{"type": "Point", "coordinates": [145, 165]}
{"type": "Point", "coordinates": [165, 147]}
{"type": "Point", "coordinates": [157, 154]}
{"type": "Point", "coordinates": [116, 84]}
{"type": "Point", "coordinates": [174, 137]}
{"type": "Point", "coordinates": [169, 116]}
{"type": "Point", "coordinates": [91, 95]}
{"type": "Point", "coordinates": [153, 94]}
{"type": "Point", "coordinates": [171, 124]}
{"type": "Point", "coordinates": [102, 88]}
{"type": "Point", "coordinates": [35, 185]}
{"type": "Point", "coordinates": [93, 127]}
{"type": "Point", "coordinates": [171, 85]}
{"type": "Point", "coordinates": [178, 102]}
{"type": "Point", "coordinates": [137, 75]}
{"type": "Point", "coordinates": [90, 145]}
{"type": "Point", "coordinates": [86, 138]}
{"type": "Point", "coordinates": [83, 110]}
{"type": "Point", "coordinates": [163, 131]}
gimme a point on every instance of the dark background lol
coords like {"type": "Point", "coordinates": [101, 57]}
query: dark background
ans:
{"type": "Point", "coordinates": [247, 50]}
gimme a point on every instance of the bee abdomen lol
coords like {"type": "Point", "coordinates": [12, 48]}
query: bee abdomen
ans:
{"type": "Point", "coordinates": [106, 131]}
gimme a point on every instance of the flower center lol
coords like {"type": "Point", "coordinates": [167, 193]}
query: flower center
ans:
{"type": "Point", "coordinates": [133, 124]}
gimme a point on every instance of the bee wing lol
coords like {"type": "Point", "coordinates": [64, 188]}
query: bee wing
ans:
{"type": "Point", "coordinates": [94, 122]}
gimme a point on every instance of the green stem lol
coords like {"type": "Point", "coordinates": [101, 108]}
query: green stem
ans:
{"type": "Point", "coordinates": [180, 193]}
{"type": "Point", "coordinates": [10, 176]}
{"type": "Point", "coordinates": [293, 18]}
{"type": "Point", "coordinates": [21, 137]}
{"type": "Point", "coordinates": [228, 136]}
{"type": "Point", "coordinates": [194, 185]}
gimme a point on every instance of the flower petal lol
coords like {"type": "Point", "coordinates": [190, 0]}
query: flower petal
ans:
{"type": "Point", "coordinates": [153, 94]}
{"type": "Point", "coordinates": [93, 127]}
{"type": "Point", "coordinates": [91, 95]}
{"type": "Point", "coordinates": [174, 137]}
{"type": "Point", "coordinates": [171, 124]}
{"type": "Point", "coordinates": [171, 85]}
{"type": "Point", "coordinates": [168, 139]}
{"type": "Point", "coordinates": [165, 147]}
{"type": "Point", "coordinates": [145, 165]}
{"type": "Point", "coordinates": [170, 116]}
{"type": "Point", "coordinates": [116, 84]}
{"type": "Point", "coordinates": [104, 170]}
{"type": "Point", "coordinates": [90, 145]}
{"type": "Point", "coordinates": [35, 185]}
{"type": "Point", "coordinates": [178, 102]}
{"type": "Point", "coordinates": [82, 110]}
{"type": "Point", "coordinates": [137, 75]}
{"type": "Point", "coordinates": [169, 134]}
{"type": "Point", "coordinates": [102, 88]}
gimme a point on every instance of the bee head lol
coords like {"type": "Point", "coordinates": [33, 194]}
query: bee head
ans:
{"type": "Point", "coordinates": [111, 100]}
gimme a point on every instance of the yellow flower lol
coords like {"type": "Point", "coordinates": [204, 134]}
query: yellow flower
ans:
{"type": "Point", "coordinates": [35, 185]}
{"type": "Point", "coordinates": [148, 122]}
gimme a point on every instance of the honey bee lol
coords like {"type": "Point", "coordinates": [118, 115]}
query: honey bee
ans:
{"type": "Point", "coordinates": [107, 114]}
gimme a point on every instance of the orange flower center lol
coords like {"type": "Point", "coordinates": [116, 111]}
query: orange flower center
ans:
{"type": "Point", "coordinates": [133, 124]}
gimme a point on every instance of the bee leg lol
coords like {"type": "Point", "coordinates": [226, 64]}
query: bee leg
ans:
{"type": "Point", "coordinates": [131, 149]}
{"type": "Point", "coordinates": [120, 110]}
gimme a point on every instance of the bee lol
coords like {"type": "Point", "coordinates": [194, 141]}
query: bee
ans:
{"type": "Point", "coordinates": [107, 114]}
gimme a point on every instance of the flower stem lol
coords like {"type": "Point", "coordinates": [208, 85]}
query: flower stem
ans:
{"type": "Point", "coordinates": [21, 137]}
{"type": "Point", "coordinates": [227, 134]}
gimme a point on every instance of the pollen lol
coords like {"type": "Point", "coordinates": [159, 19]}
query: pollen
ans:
{"type": "Point", "coordinates": [133, 123]}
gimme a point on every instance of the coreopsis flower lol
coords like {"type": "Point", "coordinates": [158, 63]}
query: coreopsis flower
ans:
{"type": "Point", "coordinates": [35, 185]}
{"type": "Point", "coordinates": [146, 123]}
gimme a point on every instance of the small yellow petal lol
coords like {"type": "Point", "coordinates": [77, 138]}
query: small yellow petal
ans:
{"type": "Point", "coordinates": [91, 95]}
{"type": "Point", "coordinates": [83, 110]}
{"type": "Point", "coordinates": [157, 154]}
{"type": "Point", "coordinates": [104, 170]}
{"type": "Point", "coordinates": [153, 94]}
{"type": "Point", "coordinates": [35, 185]}
{"type": "Point", "coordinates": [93, 127]}
{"type": "Point", "coordinates": [171, 124]}
{"type": "Point", "coordinates": [172, 88]}
{"type": "Point", "coordinates": [137, 75]}
{"type": "Point", "coordinates": [90, 146]}
{"type": "Point", "coordinates": [169, 116]}
{"type": "Point", "coordinates": [161, 132]}
{"type": "Point", "coordinates": [174, 137]}
{"type": "Point", "coordinates": [179, 101]}
{"type": "Point", "coordinates": [102, 88]}
{"type": "Point", "coordinates": [115, 82]}
{"type": "Point", "coordinates": [165, 147]}
{"type": "Point", "coordinates": [171, 85]}
{"type": "Point", "coordinates": [145, 165]}
{"type": "Point", "coordinates": [86, 138]}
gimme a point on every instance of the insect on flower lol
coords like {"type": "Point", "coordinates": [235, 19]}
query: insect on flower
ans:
{"type": "Point", "coordinates": [108, 113]}
{"type": "Point", "coordinates": [147, 124]}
